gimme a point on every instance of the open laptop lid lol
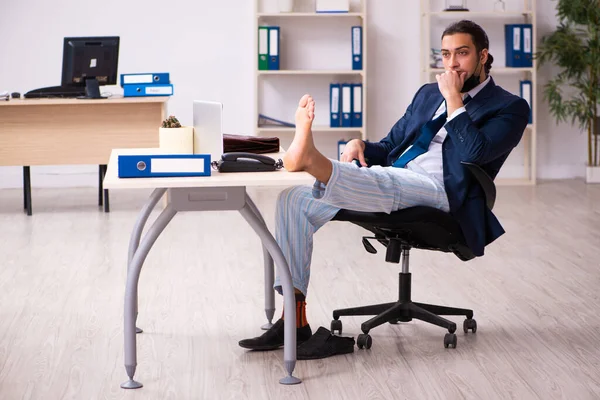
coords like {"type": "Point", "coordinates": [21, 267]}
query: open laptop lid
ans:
{"type": "Point", "coordinates": [208, 128]}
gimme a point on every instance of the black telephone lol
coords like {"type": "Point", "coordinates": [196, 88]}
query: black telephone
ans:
{"type": "Point", "coordinates": [246, 162]}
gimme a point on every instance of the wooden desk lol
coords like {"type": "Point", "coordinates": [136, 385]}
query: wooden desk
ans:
{"type": "Point", "coordinates": [73, 131]}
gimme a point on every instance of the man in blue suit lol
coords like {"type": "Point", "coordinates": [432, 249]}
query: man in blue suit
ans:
{"type": "Point", "coordinates": [464, 116]}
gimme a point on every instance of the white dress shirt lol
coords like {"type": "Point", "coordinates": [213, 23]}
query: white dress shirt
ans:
{"type": "Point", "coordinates": [431, 161]}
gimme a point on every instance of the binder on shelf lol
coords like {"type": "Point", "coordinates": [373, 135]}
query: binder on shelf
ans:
{"type": "Point", "coordinates": [346, 105]}
{"type": "Point", "coordinates": [526, 34]}
{"type": "Point", "coordinates": [513, 40]}
{"type": "Point", "coordinates": [334, 105]}
{"type": "Point", "coordinates": [264, 120]}
{"type": "Point", "coordinates": [146, 78]}
{"type": "Point", "coordinates": [357, 48]}
{"type": "Point", "coordinates": [273, 47]}
{"type": "Point", "coordinates": [341, 146]}
{"type": "Point", "coordinates": [163, 165]}
{"type": "Point", "coordinates": [263, 48]}
{"type": "Point", "coordinates": [357, 105]}
{"type": "Point", "coordinates": [148, 90]}
{"type": "Point", "coordinates": [526, 94]}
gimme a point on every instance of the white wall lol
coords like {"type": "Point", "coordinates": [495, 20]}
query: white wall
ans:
{"type": "Point", "coordinates": [208, 47]}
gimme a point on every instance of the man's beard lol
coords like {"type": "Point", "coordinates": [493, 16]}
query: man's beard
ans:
{"type": "Point", "coordinates": [471, 81]}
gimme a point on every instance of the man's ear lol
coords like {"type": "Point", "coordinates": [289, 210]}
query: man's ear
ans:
{"type": "Point", "coordinates": [484, 56]}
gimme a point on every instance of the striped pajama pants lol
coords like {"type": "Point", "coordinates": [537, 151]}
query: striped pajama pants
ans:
{"type": "Point", "coordinates": [302, 210]}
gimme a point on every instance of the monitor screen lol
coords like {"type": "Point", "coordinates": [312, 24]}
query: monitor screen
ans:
{"type": "Point", "coordinates": [90, 58]}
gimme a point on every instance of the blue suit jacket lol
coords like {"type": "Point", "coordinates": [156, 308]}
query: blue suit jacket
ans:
{"type": "Point", "coordinates": [485, 134]}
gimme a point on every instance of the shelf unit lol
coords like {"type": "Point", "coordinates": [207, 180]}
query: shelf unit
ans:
{"type": "Point", "coordinates": [290, 76]}
{"type": "Point", "coordinates": [481, 12]}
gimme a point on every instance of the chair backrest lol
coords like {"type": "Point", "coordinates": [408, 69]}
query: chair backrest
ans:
{"type": "Point", "coordinates": [485, 181]}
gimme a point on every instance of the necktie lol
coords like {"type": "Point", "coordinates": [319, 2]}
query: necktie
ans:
{"type": "Point", "coordinates": [421, 145]}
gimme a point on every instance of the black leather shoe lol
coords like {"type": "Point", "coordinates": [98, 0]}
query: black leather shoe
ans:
{"type": "Point", "coordinates": [273, 338]}
{"type": "Point", "coordinates": [323, 344]}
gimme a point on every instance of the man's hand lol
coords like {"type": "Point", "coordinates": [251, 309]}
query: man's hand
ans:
{"type": "Point", "coordinates": [355, 149]}
{"type": "Point", "coordinates": [450, 83]}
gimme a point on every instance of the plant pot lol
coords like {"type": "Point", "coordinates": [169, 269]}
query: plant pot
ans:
{"type": "Point", "coordinates": [176, 140]}
{"type": "Point", "coordinates": [592, 174]}
{"type": "Point", "coordinates": [286, 5]}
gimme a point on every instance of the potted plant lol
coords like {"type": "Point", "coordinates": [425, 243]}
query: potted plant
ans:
{"type": "Point", "coordinates": [575, 47]}
{"type": "Point", "coordinates": [173, 138]}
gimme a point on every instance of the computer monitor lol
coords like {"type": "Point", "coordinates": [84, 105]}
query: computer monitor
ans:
{"type": "Point", "coordinates": [90, 62]}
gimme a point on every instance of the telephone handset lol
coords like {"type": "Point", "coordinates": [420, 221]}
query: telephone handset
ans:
{"type": "Point", "coordinates": [246, 162]}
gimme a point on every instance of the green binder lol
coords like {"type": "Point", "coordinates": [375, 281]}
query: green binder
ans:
{"type": "Point", "coordinates": [263, 47]}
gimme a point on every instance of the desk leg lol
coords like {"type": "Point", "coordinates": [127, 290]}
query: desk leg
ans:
{"type": "Point", "coordinates": [101, 189]}
{"type": "Point", "coordinates": [100, 185]}
{"type": "Point", "coordinates": [138, 228]}
{"type": "Point", "coordinates": [269, 272]}
{"type": "Point", "coordinates": [131, 290]}
{"type": "Point", "coordinates": [289, 347]}
{"type": "Point", "coordinates": [27, 189]}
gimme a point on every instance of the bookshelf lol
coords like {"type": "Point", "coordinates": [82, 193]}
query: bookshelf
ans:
{"type": "Point", "coordinates": [520, 167]}
{"type": "Point", "coordinates": [315, 50]}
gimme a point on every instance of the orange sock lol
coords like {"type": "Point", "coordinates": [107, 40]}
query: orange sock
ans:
{"type": "Point", "coordinates": [300, 311]}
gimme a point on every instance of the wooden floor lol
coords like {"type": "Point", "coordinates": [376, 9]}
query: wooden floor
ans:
{"type": "Point", "coordinates": [535, 294]}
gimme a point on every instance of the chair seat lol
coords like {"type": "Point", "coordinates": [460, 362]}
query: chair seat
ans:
{"type": "Point", "coordinates": [420, 227]}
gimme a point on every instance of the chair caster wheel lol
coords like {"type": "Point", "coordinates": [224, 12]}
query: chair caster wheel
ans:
{"type": "Point", "coordinates": [471, 324]}
{"type": "Point", "coordinates": [336, 325]}
{"type": "Point", "coordinates": [364, 340]}
{"type": "Point", "coordinates": [450, 340]}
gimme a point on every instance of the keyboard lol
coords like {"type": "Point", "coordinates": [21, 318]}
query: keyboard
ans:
{"type": "Point", "coordinates": [56, 91]}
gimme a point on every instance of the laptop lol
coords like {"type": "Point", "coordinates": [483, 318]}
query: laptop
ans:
{"type": "Point", "coordinates": [208, 128]}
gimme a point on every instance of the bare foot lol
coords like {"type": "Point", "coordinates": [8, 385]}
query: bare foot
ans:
{"type": "Point", "coordinates": [302, 149]}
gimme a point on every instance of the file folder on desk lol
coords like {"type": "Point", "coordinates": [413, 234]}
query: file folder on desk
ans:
{"type": "Point", "coordinates": [144, 89]}
{"type": "Point", "coordinates": [163, 165]}
{"type": "Point", "coordinates": [145, 78]}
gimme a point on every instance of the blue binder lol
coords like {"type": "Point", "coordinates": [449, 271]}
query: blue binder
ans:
{"type": "Point", "coordinates": [273, 47]}
{"type": "Point", "coordinates": [357, 48]}
{"type": "Point", "coordinates": [341, 147]}
{"type": "Point", "coordinates": [526, 90]}
{"type": "Point", "coordinates": [335, 101]}
{"type": "Point", "coordinates": [527, 45]}
{"type": "Point", "coordinates": [148, 90]}
{"type": "Point", "coordinates": [513, 36]}
{"type": "Point", "coordinates": [346, 105]}
{"type": "Point", "coordinates": [357, 98]}
{"type": "Point", "coordinates": [163, 165]}
{"type": "Point", "coordinates": [145, 78]}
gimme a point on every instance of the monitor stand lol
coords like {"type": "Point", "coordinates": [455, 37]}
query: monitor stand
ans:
{"type": "Point", "coordinates": [92, 90]}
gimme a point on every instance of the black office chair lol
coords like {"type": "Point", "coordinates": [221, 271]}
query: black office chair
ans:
{"type": "Point", "coordinates": [420, 227]}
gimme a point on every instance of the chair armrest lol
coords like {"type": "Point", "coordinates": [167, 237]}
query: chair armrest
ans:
{"type": "Point", "coordinates": [486, 182]}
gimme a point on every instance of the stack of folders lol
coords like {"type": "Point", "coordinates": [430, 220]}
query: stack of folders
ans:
{"type": "Point", "coordinates": [146, 84]}
{"type": "Point", "coordinates": [345, 105]}
{"type": "Point", "coordinates": [268, 48]}
{"type": "Point", "coordinates": [518, 42]}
